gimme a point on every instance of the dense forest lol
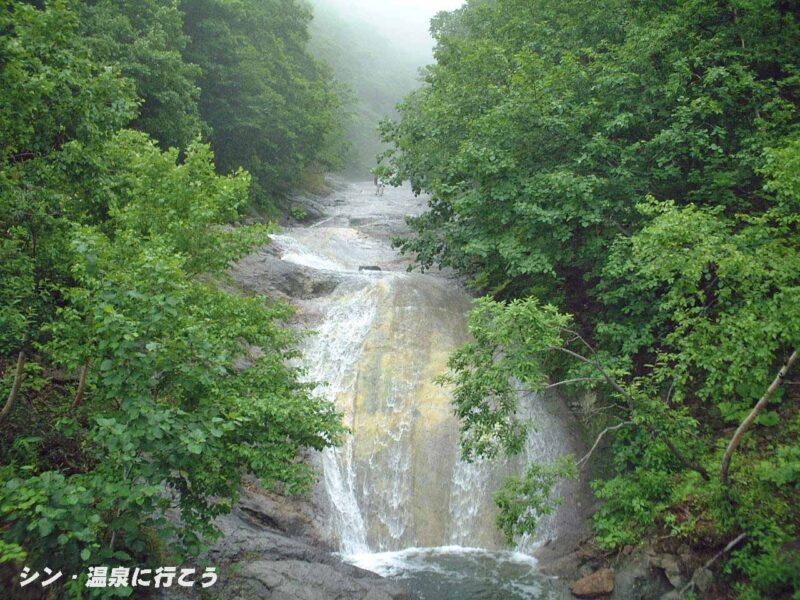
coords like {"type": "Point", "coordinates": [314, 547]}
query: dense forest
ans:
{"type": "Point", "coordinates": [132, 136]}
{"type": "Point", "coordinates": [618, 180]}
{"type": "Point", "coordinates": [621, 180]}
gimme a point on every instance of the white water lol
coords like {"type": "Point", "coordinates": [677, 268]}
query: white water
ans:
{"type": "Point", "coordinates": [398, 484]}
{"type": "Point", "coordinates": [341, 337]}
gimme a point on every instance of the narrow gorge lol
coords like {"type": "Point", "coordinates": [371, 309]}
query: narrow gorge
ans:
{"type": "Point", "coordinates": [396, 498]}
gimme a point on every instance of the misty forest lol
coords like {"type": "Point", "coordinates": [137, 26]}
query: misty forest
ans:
{"type": "Point", "coordinates": [391, 300]}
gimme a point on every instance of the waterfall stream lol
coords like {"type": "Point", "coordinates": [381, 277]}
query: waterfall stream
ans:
{"type": "Point", "coordinates": [400, 500]}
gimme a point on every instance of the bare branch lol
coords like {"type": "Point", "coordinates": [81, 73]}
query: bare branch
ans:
{"type": "Point", "coordinates": [671, 389]}
{"type": "Point", "coordinates": [524, 390]}
{"type": "Point", "coordinates": [599, 439]}
{"type": "Point", "coordinates": [682, 459]}
{"type": "Point", "coordinates": [578, 337]}
{"type": "Point", "coordinates": [611, 381]}
{"type": "Point", "coordinates": [736, 541]}
{"type": "Point", "coordinates": [586, 416]}
{"type": "Point", "coordinates": [631, 406]}
{"type": "Point", "coordinates": [745, 425]}
{"type": "Point", "coordinates": [621, 229]}
{"type": "Point", "coordinates": [569, 381]}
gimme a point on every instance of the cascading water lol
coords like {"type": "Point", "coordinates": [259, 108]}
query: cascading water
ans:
{"type": "Point", "coordinates": [341, 337]}
{"type": "Point", "coordinates": [401, 501]}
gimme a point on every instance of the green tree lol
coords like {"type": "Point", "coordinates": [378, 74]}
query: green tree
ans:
{"type": "Point", "coordinates": [620, 178]}
{"type": "Point", "coordinates": [272, 108]}
{"type": "Point", "coordinates": [125, 392]}
{"type": "Point", "coordinates": [146, 42]}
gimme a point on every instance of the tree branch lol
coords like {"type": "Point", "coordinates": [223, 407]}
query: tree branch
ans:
{"type": "Point", "coordinates": [745, 425]}
{"type": "Point", "coordinates": [600, 437]}
{"type": "Point", "coordinates": [631, 406]}
{"type": "Point", "coordinates": [736, 541]}
{"type": "Point", "coordinates": [579, 337]}
{"type": "Point", "coordinates": [12, 396]}
{"type": "Point", "coordinates": [568, 381]}
{"type": "Point", "coordinates": [611, 381]}
{"type": "Point", "coordinates": [81, 386]}
{"type": "Point", "coordinates": [683, 460]}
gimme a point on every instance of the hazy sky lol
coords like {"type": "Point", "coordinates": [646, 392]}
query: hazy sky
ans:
{"type": "Point", "coordinates": [430, 6]}
{"type": "Point", "coordinates": [403, 21]}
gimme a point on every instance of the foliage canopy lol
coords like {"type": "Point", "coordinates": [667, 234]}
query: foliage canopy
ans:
{"type": "Point", "coordinates": [621, 178]}
{"type": "Point", "coordinates": [122, 354]}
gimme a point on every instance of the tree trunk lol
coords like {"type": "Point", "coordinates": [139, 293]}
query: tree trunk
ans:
{"type": "Point", "coordinates": [12, 396]}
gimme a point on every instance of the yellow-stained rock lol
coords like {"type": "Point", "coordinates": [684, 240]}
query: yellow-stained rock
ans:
{"type": "Point", "coordinates": [599, 583]}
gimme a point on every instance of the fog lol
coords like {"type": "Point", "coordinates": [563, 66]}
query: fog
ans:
{"type": "Point", "coordinates": [376, 48]}
{"type": "Point", "coordinates": [403, 22]}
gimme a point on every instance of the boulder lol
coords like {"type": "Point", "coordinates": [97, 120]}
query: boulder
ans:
{"type": "Point", "coordinates": [301, 580]}
{"type": "Point", "coordinates": [671, 565]}
{"type": "Point", "coordinates": [265, 273]}
{"type": "Point", "coordinates": [703, 579]}
{"type": "Point", "coordinates": [637, 580]}
{"type": "Point", "coordinates": [561, 566]}
{"type": "Point", "coordinates": [599, 583]}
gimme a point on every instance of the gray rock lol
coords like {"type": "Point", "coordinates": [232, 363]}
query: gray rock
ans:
{"type": "Point", "coordinates": [568, 566]}
{"type": "Point", "coordinates": [599, 583]}
{"type": "Point", "coordinates": [270, 550]}
{"type": "Point", "coordinates": [265, 273]}
{"type": "Point", "coordinates": [703, 579]}
{"type": "Point", "coordinates": [585, 571]}
{"type": "Point", "coordinates": [671, 565]}
{"type": "Point", "coordinates": [636, 580]}
{"type": "Point", "coordinates": [313, 206]}
{"type": "Point", "coordinates": [300, 580]}
{"type": "Point", "coordinates": [685, 554]}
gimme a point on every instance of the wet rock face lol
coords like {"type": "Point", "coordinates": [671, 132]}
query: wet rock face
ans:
{"type": "Point", "coordinates": [300, 580]}
{"type": "Point", "coordinates": [271, 549]}
{"type": "Point", "coordinates": [403, 419]}
{"type": "Point", "coordinates": [265, 273]}
{"type": "Point", "coordinates": [382, 337]}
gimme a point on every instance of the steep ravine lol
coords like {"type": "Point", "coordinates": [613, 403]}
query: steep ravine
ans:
{"type": "Point", "coordinates": [395, 498]}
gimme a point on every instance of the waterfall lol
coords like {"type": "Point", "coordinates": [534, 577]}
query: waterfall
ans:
{"type": "Point", "coordinates": [332, 354]}
{"type": "Point", "coordinates": [469, 510]}
{"type": "Point", "coordinates": [382, 339]}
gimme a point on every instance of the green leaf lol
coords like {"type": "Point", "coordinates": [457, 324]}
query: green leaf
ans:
{"type": "Point", "coordinates": [45, 527]}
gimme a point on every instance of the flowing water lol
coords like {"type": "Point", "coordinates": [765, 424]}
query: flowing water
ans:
{"type": "Point", "coordinates": [400, 501]}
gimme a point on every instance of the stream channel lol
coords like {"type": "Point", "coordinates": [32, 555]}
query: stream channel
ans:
{"type": "Point", "coordinates": [400, 502]}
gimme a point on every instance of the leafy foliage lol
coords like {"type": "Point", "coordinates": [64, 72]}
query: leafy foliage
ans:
{"type": "Point", "coordinates": [145, 40]}
{"type": "Point", "coordinates": [634, 165]}
{"type": "Point", "coordinates": [146, 386]}
{"type": "Point", "coordinates": [272, 108]}
{"type": "Point", "coordinates": [484, 372]}
{"type": "Point", "coordinates": [523, 501]}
